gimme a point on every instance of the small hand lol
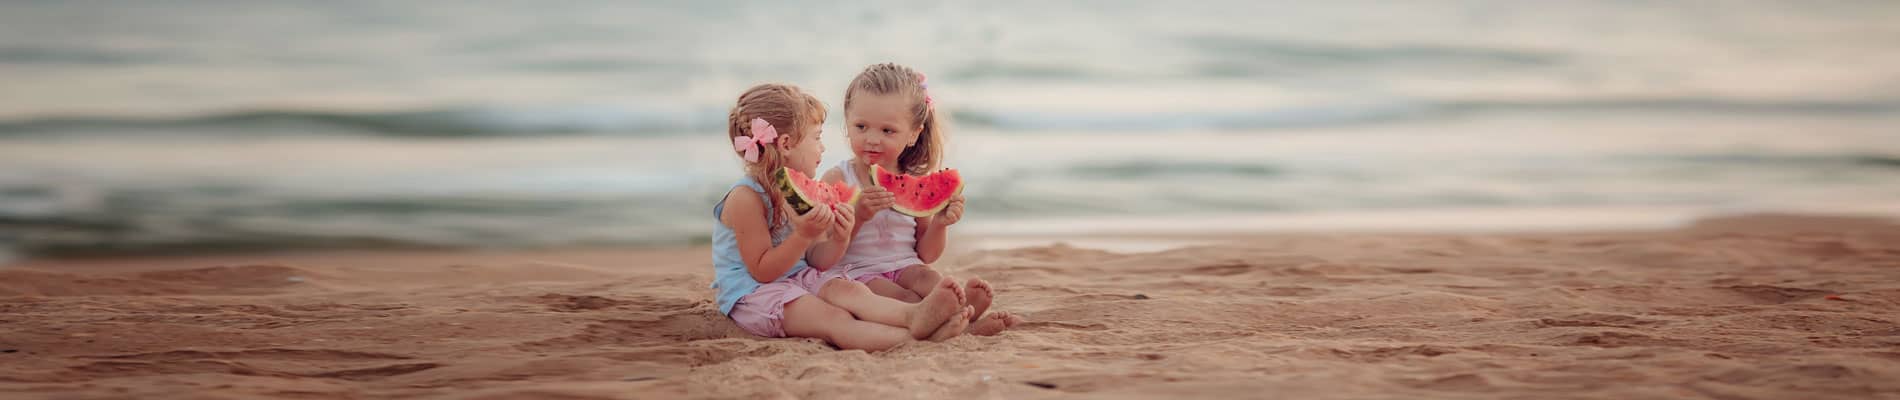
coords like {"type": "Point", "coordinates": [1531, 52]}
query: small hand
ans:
{"type": "Point", "coordinates": [952, 213]}
{"type": "Point", "coordinates": [872, 200]}
{"type": "Point", "coordinates": [842, 222]}
{"type": "Point", "coordinates": [814, 223]}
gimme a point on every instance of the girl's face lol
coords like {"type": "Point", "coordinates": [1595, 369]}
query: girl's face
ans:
{"type": "Point", "coordinates": [804, 156]}
{"type": "Point", "coordinates": [880, 126]}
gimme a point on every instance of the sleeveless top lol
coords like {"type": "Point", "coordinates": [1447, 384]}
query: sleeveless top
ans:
{"type": "Point", "coordinates": [887, 242]}
{"type": "Point", "coordinates": [729, 269]}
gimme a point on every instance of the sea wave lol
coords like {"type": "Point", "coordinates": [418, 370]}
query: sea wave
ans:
{"type": "Point", "coordinates": [1315, 116]}
{"type": "Point", "coordinates": [601, 120]}
{"type": "Point", "coordinates": [440, 122]}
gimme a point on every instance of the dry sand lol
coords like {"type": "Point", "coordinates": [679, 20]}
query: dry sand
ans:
{"type": "Point", "coordinates": [1769, 307]}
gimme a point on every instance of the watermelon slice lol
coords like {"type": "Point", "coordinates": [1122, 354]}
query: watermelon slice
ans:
{"type": "Point", "coordinates": [919, 196]}
{"type": "Point", "coordinates": [802, 193]}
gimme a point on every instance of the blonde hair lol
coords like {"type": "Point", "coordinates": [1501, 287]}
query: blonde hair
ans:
{"type": "Point", "coordinates": [792, 112]}
{"type": "Point", "coordinates": [890, 78]}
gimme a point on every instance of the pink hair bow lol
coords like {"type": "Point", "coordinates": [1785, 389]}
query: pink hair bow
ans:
{"type": "Point", "coordinates": [762, 133]}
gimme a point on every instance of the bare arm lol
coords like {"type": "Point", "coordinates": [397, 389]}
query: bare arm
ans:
{"type": "Point", "coordinates": [931, 240]}
{"type": "Point", "coordinates": [933, 232]}
{"type": "Point", "coordinates": [745, 213]}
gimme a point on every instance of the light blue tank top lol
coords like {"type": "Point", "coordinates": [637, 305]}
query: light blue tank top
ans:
{"type": "Point", "coordinates": [729, 272]}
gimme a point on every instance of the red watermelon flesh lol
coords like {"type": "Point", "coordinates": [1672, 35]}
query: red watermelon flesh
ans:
{"type": "Point", "coordinates": [919, 196]}
{"type": "Point", "coordinates": [802, 193]}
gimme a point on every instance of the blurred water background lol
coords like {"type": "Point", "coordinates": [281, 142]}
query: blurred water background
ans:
{"type": "Point", "coordinates": [203, 126]}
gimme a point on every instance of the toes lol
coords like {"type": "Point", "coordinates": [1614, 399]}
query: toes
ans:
{"type": "Point", "coordinates": [1004, 316]}
{"type": "Point", "coordinates": [954, 289]}
{"type": "Point", "coordinates": [1011, 320]}
{"type": "Point", "coordinates": [993, 323]}
{"type": "Point", "coordinates": [979, 290]}
{"type": "Point", "coordinates": [933, 313]}
{"type": "Point", "coordinates": [952, 328]}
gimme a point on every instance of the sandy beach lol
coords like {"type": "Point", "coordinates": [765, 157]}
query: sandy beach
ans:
{"type": "Point", "coordinates": [1443, 199]}
{"type": "Point", "coordinates": [1759, 307]}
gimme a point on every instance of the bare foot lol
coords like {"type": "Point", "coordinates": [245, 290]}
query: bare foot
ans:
{"type": "Point", "coordinates": [978, 292]}
{"type": "Point", "coordinates": [947, 283]}
{"type": "Point", "coordinates": [994, 323]}
{"type": "Point", "coordinates": [936, 308]}
{"type": "Point", "coordinates": [953, 327]}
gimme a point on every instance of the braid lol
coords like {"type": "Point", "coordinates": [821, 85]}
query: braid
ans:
{"type": "Point", "coordinates": [790, 111]}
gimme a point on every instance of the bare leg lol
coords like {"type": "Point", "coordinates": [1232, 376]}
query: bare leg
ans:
{"type": "Point", "coordinates": [920, 319]}
{"type": "Point", "coordinates": [889, 288]}
{"type": "Point", "coordinates": [810, 316]}
{"type": "Point", "coordinates": [922, 279]}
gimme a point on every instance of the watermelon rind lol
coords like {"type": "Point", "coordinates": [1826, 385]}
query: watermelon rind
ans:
{"type": "Point", "coordinates": [795, 196]}
{"type": "Point", "coordinates": [801, 200]}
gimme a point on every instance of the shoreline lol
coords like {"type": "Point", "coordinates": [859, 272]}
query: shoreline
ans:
{"type": "Point", "coordinates": [1147, 233]}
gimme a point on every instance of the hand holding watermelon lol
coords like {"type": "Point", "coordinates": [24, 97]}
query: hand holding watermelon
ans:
{"type": "Point", "coordinates": [804, 194]}
{"type": "Point", "coordinates": [921, 196]}
{"type": "Point", "coordinates": [872, 200]}
{"type": "Point", "coordinates": [952, 212]}
{"type": "Point", "coordinates": [843, 221]}
{"type": "Point", "coordinates": [814, 224]}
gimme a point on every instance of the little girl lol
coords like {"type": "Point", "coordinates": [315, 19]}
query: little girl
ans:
{"type": "Point", "coordinates": [892, 122]}
{"type": "Point", "coordinates": [759, 244]}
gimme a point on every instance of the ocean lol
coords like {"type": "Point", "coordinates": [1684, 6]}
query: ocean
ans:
{"type": "Point", "coordinates": [211, 126]}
